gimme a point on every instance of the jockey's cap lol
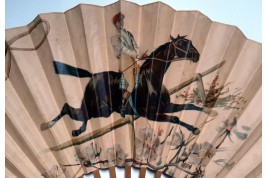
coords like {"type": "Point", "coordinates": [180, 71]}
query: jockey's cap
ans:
{"type": "Point", "coordinates": [116, 17]}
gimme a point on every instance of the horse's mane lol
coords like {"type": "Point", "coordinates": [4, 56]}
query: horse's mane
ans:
{"type": "Point", "coordinates": [152, 54]}
{"type": "Point", "coordinates": [156, 51]}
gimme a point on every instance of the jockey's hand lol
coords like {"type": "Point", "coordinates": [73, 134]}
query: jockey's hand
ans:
{"type": "Point", "coordinates": [141, 56]}
{"type": "Point", "coordinates": [144, 56]}
{"type": "Point", "coordinates": [139, 63]}
{"type": "Point", "coordinates": [138, 56]}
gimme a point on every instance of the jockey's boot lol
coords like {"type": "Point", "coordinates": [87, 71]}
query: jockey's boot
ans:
{"type": "Point", "coordinates": [125, 97]}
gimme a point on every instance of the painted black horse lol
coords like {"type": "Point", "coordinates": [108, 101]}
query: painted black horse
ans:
{"type": "Point", "coordinates": [151, 99]}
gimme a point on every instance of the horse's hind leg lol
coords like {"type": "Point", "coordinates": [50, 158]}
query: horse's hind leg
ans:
{"type": "Point", "coordinates": [159, 117]}
{"type": "Point", "coordinates": [171, 107]}
{"type": "Point", "coordinates": [64, 111]}
{"type": "Point", "coordinates": [78, 114]}
{"type": "Point", "coordinates": [77, 132]}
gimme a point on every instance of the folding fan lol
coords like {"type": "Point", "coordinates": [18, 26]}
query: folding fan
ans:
{"type": "Point", "coordinates": [195, 110]}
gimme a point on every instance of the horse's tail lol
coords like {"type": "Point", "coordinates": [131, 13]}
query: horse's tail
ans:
{"type": "Point", "coordinates": [65, 69]}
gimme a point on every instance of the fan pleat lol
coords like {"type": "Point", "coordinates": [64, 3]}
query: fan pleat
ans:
{"type": "Point", "coordinates": [53, 60]}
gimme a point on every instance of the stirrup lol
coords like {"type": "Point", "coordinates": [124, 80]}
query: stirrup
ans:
{"type": "Point", "coordinates": [123, 111]}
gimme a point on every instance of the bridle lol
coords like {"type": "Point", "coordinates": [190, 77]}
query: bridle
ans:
{"type": "Point", "coordinates": [176, 47]}
{"type": "Point", "coordinates": [158, 59]}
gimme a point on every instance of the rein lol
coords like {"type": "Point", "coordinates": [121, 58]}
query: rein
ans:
{"type": "Point", "coordinates": [158, 59]}
{"type": "Point", "coordinates": [130, 65]}
{"type": "Point", "coordinates": [178, 48]}
{"type": "Point", "coordinates": [177, 59]}
{"type": "Point", "coordinates": [47, 30]}
{"type": "Point", "coordinates": [17, 37]}
{"type": "Point", "coordinates": [161, 60]}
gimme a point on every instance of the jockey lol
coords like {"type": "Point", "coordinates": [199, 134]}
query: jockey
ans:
{"type": "Point", "coordinates": [126, 50]}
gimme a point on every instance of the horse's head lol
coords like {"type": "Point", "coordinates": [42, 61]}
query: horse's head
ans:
{"type": "Point", "coordinates": [184, 49]}
{"type": "Point", "coordinates": [177, 49]}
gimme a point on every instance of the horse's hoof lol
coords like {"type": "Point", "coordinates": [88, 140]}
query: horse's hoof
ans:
{"type": "Point", "coordinates": [196, 131]}
{"type": "Point", "coordinates": [44, 126]}
{"type": "Point", "coordinates": [123, 111]}
{"type": "Point", "coordinates": [75, 133]}
{"type": "Point", "coordinates": [210, 112]}
{"type": "Point", "coordinates": [213, 113]}
{"type": "Point", "coordinates": [47, 125]}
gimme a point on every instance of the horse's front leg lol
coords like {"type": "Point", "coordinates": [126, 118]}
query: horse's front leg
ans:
{"type": "Point", "coordinates": [175, 120]}
{"type": "Point", "coordinates": [76, 133]}
{"type": "Point", "coordinates": [64, 111]}
{"type": "Point", "coordinates": [172, 107]}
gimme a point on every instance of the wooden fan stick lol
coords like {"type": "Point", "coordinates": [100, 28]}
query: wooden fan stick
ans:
{"type": "Point", "coordinates": [96, 174]}
{"type": "Point", "coordinates": [158, 174]}
{"type": "Point", "coordinates": [112, 172]}
{"type": "Point", "coordinates": [123, 121]}
{"type": "Point", "coordinates": [142, 172]}
{"type": "Point", "coordinates": [127, 171]}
